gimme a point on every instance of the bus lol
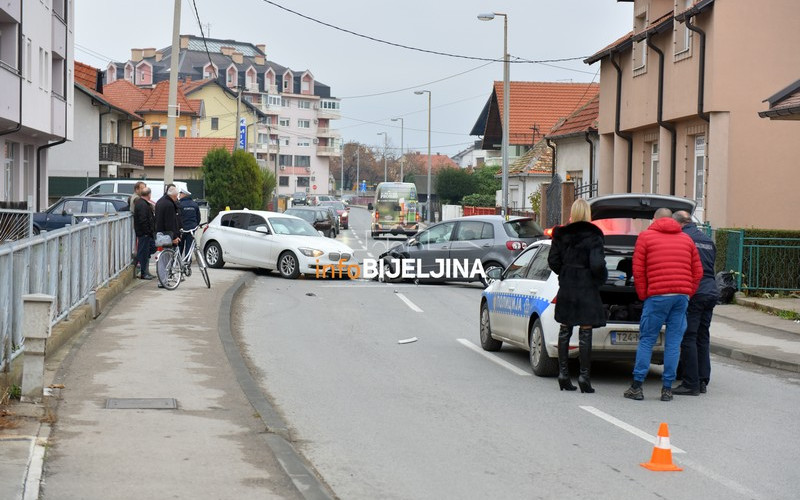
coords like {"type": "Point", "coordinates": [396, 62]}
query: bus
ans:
{"type": "Point", "coordinates": [396, 209]}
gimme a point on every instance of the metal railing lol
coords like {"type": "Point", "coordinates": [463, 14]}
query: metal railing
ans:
{"type": "Point", "coordinates": [68, 264]}
{"type": "Point", "coordinates": [121, 154]}
{"type": "Point", "coordinates": [762, 263]}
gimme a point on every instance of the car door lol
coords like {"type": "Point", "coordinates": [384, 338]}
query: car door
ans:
{"type": "Point", "coordinates": [533, 291]}
{"type": "Point", "coordinates": [507, 299]}
{"type": "Point", "coordinates": [62, 214]}
{"type": "Point", "coordinates": [430, 245]}
{"type": "Point", "coordinates": [234, 230]}
{"type": "Point", "coordinates": [473, 239]}
{"type": "Point", "coordinates": [257, 247]}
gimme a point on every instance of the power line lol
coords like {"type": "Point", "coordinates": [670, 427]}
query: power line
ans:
{"type": "Point", "coordinates": [427, 51]}
{"type": "Point", "coordinates": [418, 85]}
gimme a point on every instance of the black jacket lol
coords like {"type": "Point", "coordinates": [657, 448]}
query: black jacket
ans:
{"type": "Point", "coordinates": [144, 220]}
{"type": "Point", "coordinates": [708, 254]}
{"type": "Point", "coordinates": [167, 217]}
{"type": "Point", "coordinates": [577, 256]}
{"type": "Point", "coordinates": [190, 212]}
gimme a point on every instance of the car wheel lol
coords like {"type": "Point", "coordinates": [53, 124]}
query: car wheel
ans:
{"type": "Point", "coordinates": [542, 364]}
{"type": "Point", "coordinates": [213, 255]}
{"type": "Point", "coordinates": [346, 227]}
{"type": "Point", "coordinates": [489, 265]}
{"type": "Point", "coordinates": [288, 265]}
{"type": "Point", "coordinates": [388, 268]}
{"type": "Point", "coordinates": [487, 342]}
{"type": "Point", "coordinates": [36, 231]}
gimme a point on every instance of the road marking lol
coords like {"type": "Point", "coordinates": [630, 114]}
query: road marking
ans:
{"type": "Point", "coordinates": [729, 483]}
{"type": "Point", "coordinates": [408, 302]}
{"type": "Point", "coordinates": [493, 358]}
{"type": "Point", "coordinates": [626, 426]}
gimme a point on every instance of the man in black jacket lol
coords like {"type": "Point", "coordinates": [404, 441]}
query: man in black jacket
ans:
{"type": "Point", "coordinates": [190, 217]}
{"type": "Point", "coordinates": [144, 225]}
{"type": "Point", "coordinates": [695, 349]}
{"type": "Point", "coordinates": [167, 215]}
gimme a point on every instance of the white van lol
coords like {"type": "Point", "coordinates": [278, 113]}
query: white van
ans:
{"type": "Point", "coordinates": [125, 186]}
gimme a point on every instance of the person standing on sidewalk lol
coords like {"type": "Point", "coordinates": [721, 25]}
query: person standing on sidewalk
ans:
{"type": "Point", "coordinates": [695, 347]}
{"type": "Point", "coordinates": [666, 272]}
{"type": "Point", "coordinates": [577, 256]}
{"type": "Point", "coordinates": [190, 218]}
{"type": "Point", "coordinates": [168, 215]}
{"type": "Point", "coordinates": [144, 226]}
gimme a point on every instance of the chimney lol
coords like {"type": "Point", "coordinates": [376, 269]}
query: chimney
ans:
{"type": "Point", "coordinates": [136, 55]}
{"type": "Point", "coordinates": [227, 50]}
{"type": "Point", "coordinates": [262, 47]}
{"type": "Point", "coordinates": [184, 41]}
{"type": "Point", "coordinates": [149, 52]}
{"type": "Point", "coordinates": [159, 56]}
{"type": "Point", "coordinates": [260, 60]}
{"type": "Point", "coordinates": [237, 57]}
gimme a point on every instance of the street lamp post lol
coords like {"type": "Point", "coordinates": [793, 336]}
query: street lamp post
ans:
{"type": "Point", "coordinates": [428, 194]}
{"type": "Point", "coordinates": [402, 158]}
{"type": "Point", "coordinates": [506, 118]}
{"type": "Point", "coordinates": [385, 170]}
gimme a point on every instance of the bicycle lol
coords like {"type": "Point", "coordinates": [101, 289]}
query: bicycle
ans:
{"type": "Point", "coordinates": [171, 265]}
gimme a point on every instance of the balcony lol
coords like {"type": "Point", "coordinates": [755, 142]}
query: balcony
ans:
{"type": "Point", "coordinates": [121, 155]}
{"type": "Point", "coordinates": [58, 111]}
{"type": "Point", "coordinates": [329, 109]}
{"type": "Point", "coordinates": [328, 151]}
{"type": "Point", "coordinates": [327, 132]}
{"type": "Point", "coordinates": [9, 108]}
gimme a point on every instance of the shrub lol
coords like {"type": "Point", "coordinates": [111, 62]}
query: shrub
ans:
{"type": "Point", "coordinates": [478, 200]}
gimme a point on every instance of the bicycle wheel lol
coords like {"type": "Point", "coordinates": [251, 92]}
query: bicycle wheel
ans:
{"type": "Point", "coordinates": [201, 263]}
{"type": "Point", "coordinates": [168, 269]}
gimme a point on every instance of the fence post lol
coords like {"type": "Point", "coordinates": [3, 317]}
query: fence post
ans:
{"type": "Point", "coordinates": [37, 310]}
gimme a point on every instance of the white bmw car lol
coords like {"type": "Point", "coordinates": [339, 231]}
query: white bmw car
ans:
{"type": "Point", "coordinates": [518, 307]}
{"type": "Point", "coordinates": [271, 240]}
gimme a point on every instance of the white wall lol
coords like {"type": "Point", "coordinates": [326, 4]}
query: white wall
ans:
{"type": "Point", "coordinates": [79, 157]}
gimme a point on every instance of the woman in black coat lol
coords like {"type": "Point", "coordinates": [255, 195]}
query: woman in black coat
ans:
{"type": "Point", "coordinates": [577, 256]}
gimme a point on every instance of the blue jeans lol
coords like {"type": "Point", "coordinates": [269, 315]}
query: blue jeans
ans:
{"type": "Point", "coordinates": [658, 310]}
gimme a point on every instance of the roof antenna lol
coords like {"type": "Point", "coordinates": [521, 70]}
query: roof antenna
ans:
{"type": "Point", "coordinates": [208, 30]}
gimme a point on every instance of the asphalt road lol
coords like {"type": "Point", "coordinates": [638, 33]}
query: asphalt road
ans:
{"type": "Point", "coordinates": [438, 418]}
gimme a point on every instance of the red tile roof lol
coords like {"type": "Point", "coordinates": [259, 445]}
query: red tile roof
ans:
{"type": "Point", "coordinates": [582, 120]}
{"type": "Point", "coordinates": [538, 161]}
{"type": "Point", "coordinates": [189, 151]}
{"type": "Point", "coordinates": [542, 104]}
{"type": "Point", "coordinates": [86, 75]}
{"type": "Point", "coordinates": [438, 161]}
{"type": "Point", "coordinates": [158, 100]}
{"type": "Point", "coordinates": [189, 86]}
{"type": "Point", "coordinates": [125, 95]}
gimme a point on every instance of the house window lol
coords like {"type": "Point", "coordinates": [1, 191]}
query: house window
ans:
{"type": "Point", "coordinates": [182, 131]}
{"type": "Point", "coordinates": [284, 141]}
{"type": "Point", "coordinates": [8, 44]}
{"type": "Point", "coordinates": [283, 122]}
{"type": "Point", "coordinates": [640, 48]}
{"type": "Point", "coordinates": [285, 160]}
{"type": "Point", "coordinates": [286, 102]}
{"type": "Point", "coordinates": [333, 105]}
{"type": "Point", "coordinates": [304, 142]}
{"type": "Point", "coordinates": [699, 170]}
{"type": "Point", "coordinates": [162, 132]}
{"type": "Point", "coordinates": [303, 123]}
{"type": "Point", "coordinates": [286, 83]}
{"type": "Point", "coordinates": [302, 161]}
{"type": "Point", "coordinates": [209, 71]}
{"type": "Point", "coordinates": [275, 100]}
{"type": "Point", "coordinates": [147, 132]}
{"type": "Point", "coordinates": [305, 86]}
{"type": "Point", "coordinates": [302, 182]}
{"type": "Point", "coordinates": [283, 180]}
{"type": "Point", "coordinates": [304, 104]}
{"type": "Point", "coordinates": [654, 167]}
{"type": "Point", "coordinates": [263, 138]}
{"type": "Point", "coordinates": [214, 123]}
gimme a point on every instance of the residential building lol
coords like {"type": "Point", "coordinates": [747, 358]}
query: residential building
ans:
{"type": "Point", "coordinates": [473, 156]}
{"type": "Point", "coordinates": [526, 175]}
{"type": "Point", "coordinates": [36, 84]}
{"type": "Point", "coordinates": [189, 154]}
{"type": "Point", "coordinates": [575, 138]}
{"type": "Point", "coordinates": [534, 108]}
{"type": "Point", "coordinates": [102, 143]}
{"type": "Point", "coordinates": [784, 105]}
{"type": "Point", "coordinates": [679, 103]}
{"type": "Point", "coordinates": [219, 110]}
{"type": "Point", "coordinates": [295, 137]}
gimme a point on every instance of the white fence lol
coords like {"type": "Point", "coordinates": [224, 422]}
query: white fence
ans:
{"type": "Point", "coordinates": [68, 264]}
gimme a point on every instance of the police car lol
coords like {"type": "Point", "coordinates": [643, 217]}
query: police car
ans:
{"type": "Point", "coordinates": [518, 307]}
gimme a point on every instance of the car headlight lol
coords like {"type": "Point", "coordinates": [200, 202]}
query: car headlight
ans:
{"type": "Point", "coordinates": [311, 252]}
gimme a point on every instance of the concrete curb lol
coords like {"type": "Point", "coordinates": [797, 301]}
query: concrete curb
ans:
{"type": "Point", "coordinates": [277, 438]}
{"type": "Point", "coordinates": [741, 355]}
{"type": "Point", "coordinates": [762, 307]}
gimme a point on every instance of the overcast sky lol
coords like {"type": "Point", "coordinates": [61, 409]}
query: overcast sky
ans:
{"type": "Point", "coordinates": [353, 66]}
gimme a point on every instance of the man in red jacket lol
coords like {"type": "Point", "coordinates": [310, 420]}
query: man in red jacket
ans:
{"type": "Point", "coordinates": [666, 272]}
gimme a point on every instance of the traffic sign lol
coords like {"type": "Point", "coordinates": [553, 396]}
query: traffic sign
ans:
{"type": "Point", "coordinates": [314, 187]}
{"type": "Point", "coordinates": [242, 133]}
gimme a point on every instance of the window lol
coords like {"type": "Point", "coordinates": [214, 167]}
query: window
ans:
{"type": "Point", "coordinates": [654, 167]}
{"type": "Point", "coordinates": [437, 234]}
{"type": "Point", "coordinates": [214, 123]}
{"type": "Point", "coordinates": [209, 71]}
{"type": "Point", "coordinates": [332, 105]}
{"type": "Point", "coordinates": [283, 180]}
{"type": "Point", "coordinates": [8, 44]}
{"type": "Point", "coordinates": [162, 132]}
{"type": "Point", "coordinates": [147, 132]}
{"type": "Point", "coordinates": [681, 34]}
{"type": "Point", "coordinates": [237, 220]}
{"type": "Point", "coordinates": [57, 83]}
{"type": "Point", "coordinates": [517, 268]}
{"type": "Point", "coordinates": [640, 48]}
{"type": "Point", "coordinates": [471, 230]}
{"type": "Point", "coordinates": [304, 104]}
{"type": "Point", "coordinates": [286, 102]}
{"type": "Point", "coordinates": [182, 131]}
{"type": "Point", "coordinates": [302, 182]}
{"type": "Point", "coordinates": [283, 140]}
{"type": "Point", "coordinates": [283, 122]}
{"type": "Point", "coordinates": [262, 138]}
{"type": "Point", "coordinates": [539, 269]}
{"type": "Point", "coordinates": [303, 123]}
{"type": "Point", "coordinates": [275, 100]}
{"type": "Point", "coordinates": [285, 160]}
{"type": "Point", "coordinates": [699, 170]}
{"type": "Point", "coordinates": [304, 142]}
{"type": "Point", "coordinates": [286, 82]}
{"type": "Point", "coordinates": [72, 207]}
{"type": "Point", "coordinates": [256, 221]}
{"type": "Point", "coordinates": [99, 207]}
{"type": "Point", "coordinates": [302, 161]}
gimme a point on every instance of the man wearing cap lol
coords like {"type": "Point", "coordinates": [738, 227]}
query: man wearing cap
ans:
{"type": "Point", "coordinates": [190, 217]}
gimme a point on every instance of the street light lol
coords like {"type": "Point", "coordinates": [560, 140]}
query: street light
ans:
{"type": "Point", "coordinates": [428, 194]}
{"type": "Point", "coordinates": [402, 158]}
{"type": "Point", "coordinates": [385, 171]}
{"type": "Point", "coordinates": [506, 118]}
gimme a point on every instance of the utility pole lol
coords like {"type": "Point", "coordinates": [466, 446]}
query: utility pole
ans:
{"type": "Point", "coordinates": [341, 185]}
{"type": "Point", "coordinates": [358, 166]}
{"type": "Point", "coordinates": [236, 127]}
{"type": "Point", "coordinates": [172, 106]}
{"type": "Point", "coordinates": [275, 195]}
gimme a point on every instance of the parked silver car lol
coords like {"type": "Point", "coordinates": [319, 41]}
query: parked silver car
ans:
{"type": "Point", "coordinates": [490, 239]}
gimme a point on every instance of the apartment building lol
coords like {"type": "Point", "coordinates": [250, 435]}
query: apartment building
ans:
{"type": "Point", "coordinates": [292, 131]}
{"type": "Point", "coordinates": [679, 101]}
{"type": "Point", "coordinates": [36, 84]}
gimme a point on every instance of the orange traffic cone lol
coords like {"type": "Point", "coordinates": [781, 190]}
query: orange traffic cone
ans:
{"type": "Point", "coordinates": [662, 452]}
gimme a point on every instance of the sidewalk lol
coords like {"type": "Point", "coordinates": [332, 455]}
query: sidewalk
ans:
{"type": "Point", "coordinates": [113, 434]}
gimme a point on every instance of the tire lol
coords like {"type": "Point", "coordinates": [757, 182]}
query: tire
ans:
{"type": "Point", "coordinates": [487, 342]}
{"type": "Point", "coordinates": [542, 364]}
{"type": "Point", "coordinates": [489, 265]}
{"type": "Point", "coordinates": [168, 270]}
{"type": "Point", "coordinates": [288, 265]}
{"type": "Point", "coordinates": [346, 227]}
{"type": "Point", "coordinates": [387, 267]}
{"type": "Point", "coordinates": [201, 263]}
{"type": "Point", "coordinates": [36, 231]}
{"type": "Point", "coordinates": [213, 255]}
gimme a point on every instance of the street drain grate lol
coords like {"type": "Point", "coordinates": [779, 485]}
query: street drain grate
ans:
{"type": "Point", "coordinates": [142, 404]}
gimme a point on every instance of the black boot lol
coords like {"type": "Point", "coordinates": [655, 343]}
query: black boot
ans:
{"type": "Point", "coordinates": [564, 382]}
{"type": "Point", "coordinates": [585, 355]}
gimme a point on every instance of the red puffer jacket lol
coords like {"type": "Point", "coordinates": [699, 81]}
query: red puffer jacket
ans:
{"type": "Point", "coordinates": [665, 261]}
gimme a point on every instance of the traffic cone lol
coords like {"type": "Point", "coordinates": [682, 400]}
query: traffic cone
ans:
{"type": "Point", "coordinates": [662, 452]}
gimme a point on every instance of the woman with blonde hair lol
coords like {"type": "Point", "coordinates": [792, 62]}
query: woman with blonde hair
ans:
{"type": "Point", "coordinates": [577, 256]}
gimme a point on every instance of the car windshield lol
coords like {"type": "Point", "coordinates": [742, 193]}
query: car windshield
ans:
{"type": "Point", "coordinates": [299, 194]}
{"type": "Point", "coordinates": [288, 225]}
{"type": "Point", "coordinates": [523, 228]}
{"type": "Point", "coordinates": [338, 205]}
{"type": "Point", "coordinates": [306, 215]}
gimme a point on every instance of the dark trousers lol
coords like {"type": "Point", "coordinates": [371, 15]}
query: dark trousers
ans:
{"type": "Point", "coordinates": [695, 350]}
{"type": "Point", "coordinates": [143, 253]}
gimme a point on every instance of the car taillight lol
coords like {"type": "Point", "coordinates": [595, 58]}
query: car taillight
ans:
{"type": "Point", "coordinates": [377, 216]}
{"type": "Point", "coordinates": [516, 245]}
{"type": "Point", "coordinates": [417, 217]}
{"type": "Point", "coordinates": [548, 232]}
{"type": "Point", "coordinates": [205, 228]}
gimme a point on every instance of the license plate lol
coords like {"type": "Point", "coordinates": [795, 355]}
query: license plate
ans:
{"type": "Point", "coordinates": [624, 337]}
